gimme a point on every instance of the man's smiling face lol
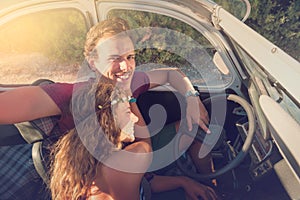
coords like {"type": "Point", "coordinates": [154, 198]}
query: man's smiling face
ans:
{"type": "Point", "coordinates": [116, 59]}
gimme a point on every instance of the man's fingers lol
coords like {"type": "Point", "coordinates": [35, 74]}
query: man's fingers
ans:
{"type": "Point", "coordinates": [189, 123]}
{"type": "Point", "coordinates": [203, 113]}
{"type": "Point", "coordinates": [203, 126]}
{"type": "Point", "coordinates": [205, 119]}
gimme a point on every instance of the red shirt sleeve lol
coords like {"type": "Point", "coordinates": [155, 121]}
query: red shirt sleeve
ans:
{"type": "Point", "coordinates": [61, 94]}
{"type": "Point", "coordinates": [140, 83]}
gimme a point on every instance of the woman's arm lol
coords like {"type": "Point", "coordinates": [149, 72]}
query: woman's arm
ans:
{"type": "Point", "coordinates": [122, 185]}
{"type": "Point", "coordinates": [135, 158]}
{"type": "Point", "coordinates": [117, 176]}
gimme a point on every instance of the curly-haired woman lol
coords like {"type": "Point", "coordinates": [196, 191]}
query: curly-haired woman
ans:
{"type": "Point", "coordinates": [96, 159]}
{"type": "Point", "coordinates": [79, 168]}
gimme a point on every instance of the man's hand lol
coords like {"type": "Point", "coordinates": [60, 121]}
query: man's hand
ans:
{"type": "Point", "coordinates": [194, 190]}
{"type": "Point", "coordinates": [196, 113]}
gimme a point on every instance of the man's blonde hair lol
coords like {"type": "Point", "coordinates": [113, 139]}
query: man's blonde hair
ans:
{"type": "Point", "coordinates": [106, 28]}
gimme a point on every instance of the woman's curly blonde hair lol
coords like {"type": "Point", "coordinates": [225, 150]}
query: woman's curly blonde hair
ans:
{"type": "Point", "coordinates": [77, 155]}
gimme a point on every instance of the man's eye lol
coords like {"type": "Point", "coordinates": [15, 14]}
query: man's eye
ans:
{"type": "Point", "coordinates": [111, 59]}
{"type": "Point", "coordinates": [115, 59]}
{"type": "Point", "coordinates": [131, 57]}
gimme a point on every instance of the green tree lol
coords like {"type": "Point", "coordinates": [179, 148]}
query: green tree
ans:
{"type": "Point", "coordinates": [276, 20]}
{"type": "Point", "coordinates": [279, 22]}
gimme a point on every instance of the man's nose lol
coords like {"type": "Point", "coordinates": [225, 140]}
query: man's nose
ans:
{"type": "Point", "coordinates": [124, 66]}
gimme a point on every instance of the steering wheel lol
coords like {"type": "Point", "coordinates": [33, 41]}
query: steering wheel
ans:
{"type": "Point", "coordinates": [42, 82]}
{"type": "Point", "coordinates": [238, 158]}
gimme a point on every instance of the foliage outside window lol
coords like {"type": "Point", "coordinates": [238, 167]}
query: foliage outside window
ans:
{"type": "Point", "coordinates": [47, 44]}
{"type": "Point", "coordinates": [276, 20]}
{"type": "Point", "coordinates": [192, 44]}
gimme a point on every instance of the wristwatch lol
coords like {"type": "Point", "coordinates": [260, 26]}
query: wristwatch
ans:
{"type": "Point", "coordinates": [193, 93]}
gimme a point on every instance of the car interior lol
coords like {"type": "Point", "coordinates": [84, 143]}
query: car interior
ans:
{"type": "Point", "coordinates": [253, 154]}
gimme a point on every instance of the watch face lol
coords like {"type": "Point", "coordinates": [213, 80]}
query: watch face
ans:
{"type": "Point", "coordinates": [194, 93]}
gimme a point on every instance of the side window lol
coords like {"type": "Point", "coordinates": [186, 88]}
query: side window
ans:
{"type": "Point", "coordinates": [168, 42]}
{"type": "Point", "coordinates": [46, 44]}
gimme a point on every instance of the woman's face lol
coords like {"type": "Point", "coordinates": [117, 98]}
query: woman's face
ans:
{"type": "Point", "coordinates": [125, 119]}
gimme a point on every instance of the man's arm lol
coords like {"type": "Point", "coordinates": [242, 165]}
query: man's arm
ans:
{"type": "Point", "coordinates": [179, 81]}
{"type": "Point", "coordinates": [174, 76]}
{"type": "Point", "coordinates": [193, 189]}
{"type": "Point", "coordinates": [24, 104]}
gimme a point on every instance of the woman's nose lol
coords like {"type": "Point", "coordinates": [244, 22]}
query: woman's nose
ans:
{"type": "Point", "coordinates": [134, 118]}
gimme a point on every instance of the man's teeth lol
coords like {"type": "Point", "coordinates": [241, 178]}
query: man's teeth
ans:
{"type": "Point", "coordinates": [124, 76]}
